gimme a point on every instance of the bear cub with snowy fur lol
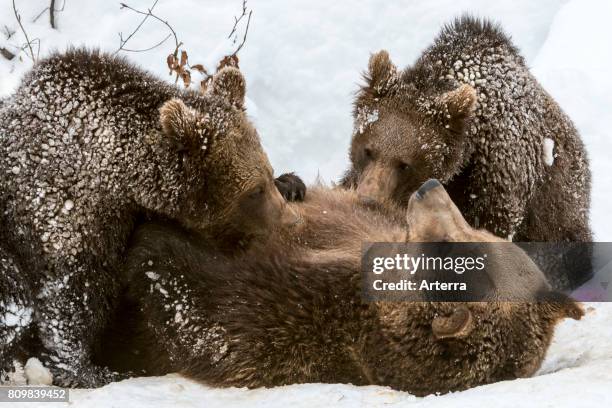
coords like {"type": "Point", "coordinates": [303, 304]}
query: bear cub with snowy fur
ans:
{"type": "Point", "coordinates": [469, 113]}
{"type": "Point", "coordinates": [89, 146]}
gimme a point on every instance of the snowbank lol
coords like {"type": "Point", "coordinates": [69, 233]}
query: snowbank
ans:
{"type": "Point", "coordinates": [576, 373]}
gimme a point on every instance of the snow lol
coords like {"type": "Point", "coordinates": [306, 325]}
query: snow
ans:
{"type": "Point", "coordinates": [302, 62]}
{"type": "Point", "coordinates": [36, 373]}
{"type": "Point", "coordinates": [365, 118]}
{"type": "Point", "coordinates": [152, 275]}
{"type": "Point", "coordinates": [548, 146]}
{"type": "Point", "coordinates": [16, 315]}
{"type": "Point", "coordinates": [576, 373]}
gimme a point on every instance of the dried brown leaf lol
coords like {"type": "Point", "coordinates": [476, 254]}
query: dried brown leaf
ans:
{"type": "Point", "coordinates": [200, 68]}
{"type": "Point", "coordinates": [170, 61]}
{"type": "Point", "coordinates": [186, 75]}
{"type": "Point", "coordinates": [183, 58]}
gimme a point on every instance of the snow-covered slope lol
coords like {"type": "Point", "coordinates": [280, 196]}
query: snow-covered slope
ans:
{"type": "Point", "coordinates": [576, 373]}
{"type": "Point", "coordinates": [303, 61]}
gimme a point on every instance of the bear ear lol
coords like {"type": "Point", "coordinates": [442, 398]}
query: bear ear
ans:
{"type": "Point", "coordinates": [458, 106]}
{"type": "Point", "coordinates": [382, 73]}
{"type": "Point", "coordinates": [182, 124]}
{"type": "Point", "coordinates": [458, 325]}
{"type": "Point", "coordinates": [229, 84]}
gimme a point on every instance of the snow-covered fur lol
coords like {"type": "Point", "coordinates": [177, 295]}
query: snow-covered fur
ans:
{"type": "Point", "coordinates": [292, 312]}
{"type": "Point", "coordinates": [16, 311]}
{"type": "Point", "coordinates": [88, 145]}
{"type": "Point", "coordinates": [17, 301]}
{"type": "Point", "coordinates": [469, 113]}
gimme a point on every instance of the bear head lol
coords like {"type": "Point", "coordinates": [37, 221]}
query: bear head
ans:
{"type": "Point", "coordinates": [406, 131]}
{"type": "Point", "coordinates": [458, 345]}
{"type": "Point", "coordinates": [225, 180]}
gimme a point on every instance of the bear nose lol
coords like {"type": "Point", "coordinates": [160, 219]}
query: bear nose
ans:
{"type": "Point", "coordinates": [425, 187]}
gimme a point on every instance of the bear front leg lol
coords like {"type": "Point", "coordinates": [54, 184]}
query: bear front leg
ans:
{"type": "Point", "coordinates": [16, 312]}
{"type": "Point", "coordinates": [499, 218]}
{"type": "Point", "coordinates": [73, 311]}
{"type": "Point", "coordinates": [291, 187]}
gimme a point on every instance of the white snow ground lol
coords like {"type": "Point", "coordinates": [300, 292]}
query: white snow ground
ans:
{"type": "Point", "coordinates": [302, 61]}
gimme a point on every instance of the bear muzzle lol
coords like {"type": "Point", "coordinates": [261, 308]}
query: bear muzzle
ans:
{"type": "Point", "coordinates": [377, 184]}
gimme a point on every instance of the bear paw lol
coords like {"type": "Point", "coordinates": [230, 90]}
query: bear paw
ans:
{"type": "Point", "coordinates": [291, 187]}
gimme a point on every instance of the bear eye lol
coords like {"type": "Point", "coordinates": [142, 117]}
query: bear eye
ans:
{"type": "Point", "coordinates": [368, 153]}
{"type": "Point", "coordinates": [405, 167]}
{"type": "Point", "coordinates": [257, 192]}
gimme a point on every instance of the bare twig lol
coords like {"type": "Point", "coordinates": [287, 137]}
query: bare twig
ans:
{"type": "Point", "coordinates": [52, 10]}
{"type": "Point", "coordinates": [43, 11]}
{"type": "Point", "coordinates": [147, 14]}
{"type": "Point", "coordinates": [178, 60]}
{"type": "Point", "coordinates": [8, 32]}
{"type": "Point", "coordinates": [237, 19]}
{"type": "Point", "coordinates": [172, 58]}
{"type": "Point", "coordinates": [52, 14]}
{"type": "Point", "coordinates": [123, 41]}
{"type": "Point", "coordinates": [37, 42]}
{"type": "Point", "coordinates": [246, 32]}
{"type": "Point", "coordinates": [28, 42]}
{"type": "Point", "coordinates": [245, 13]}
{"type": "Point", "coordinates": [150, 48]}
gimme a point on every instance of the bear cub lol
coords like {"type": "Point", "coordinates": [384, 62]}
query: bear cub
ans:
{"type": "Point", "coordinates": [469, 113]}
{"type": "Point", "coordinates": [90, 145]}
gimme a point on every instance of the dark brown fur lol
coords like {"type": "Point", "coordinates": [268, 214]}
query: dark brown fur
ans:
{"type": "Point", "coordinates": [293, 312]}
{"type": "Point", "coordinates": [89, 146]}
{"type": "Point", "coordinates": [469, 113]}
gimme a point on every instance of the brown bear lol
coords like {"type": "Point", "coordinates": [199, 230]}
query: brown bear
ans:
{"type": "Point", "coordinates": [469, 113]}
{"type": "Point", "coordinates": [90, 145]}
{"type": "Point", "coordinates": [293, 312]}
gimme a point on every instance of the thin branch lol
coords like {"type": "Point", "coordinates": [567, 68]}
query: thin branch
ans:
{"type": "Point", "coordinates": [245, 13]}
{"type": "Point", "coordinates": [8, 32]}
{"type": "Point", "coordinates": [35, 19]}
{"type": "Point", "coordinates": [52, 14]}
{"type": "Point", "coordinates": [37, 41]}
{"type": "Point", "coordinates": [148, 14]}
{"type": "Point", "coordinates": [150, 48]}
{"type": "Point", "coordinates": [122, 41]}
{"type": "Point", "coordinates": [29, 44]}
{"type": "Point", "coordinates": [246, 31]}
{"type": "Point", "coordinates": [238, 19]}
{"type": "Point", "coordinates": [52, 10]}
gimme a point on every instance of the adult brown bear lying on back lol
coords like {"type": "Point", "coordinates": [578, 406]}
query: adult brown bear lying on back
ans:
{"type": "Point", "coordinates": [469, 113]}
{"type": "Point", "coordinates": [293, 313]}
